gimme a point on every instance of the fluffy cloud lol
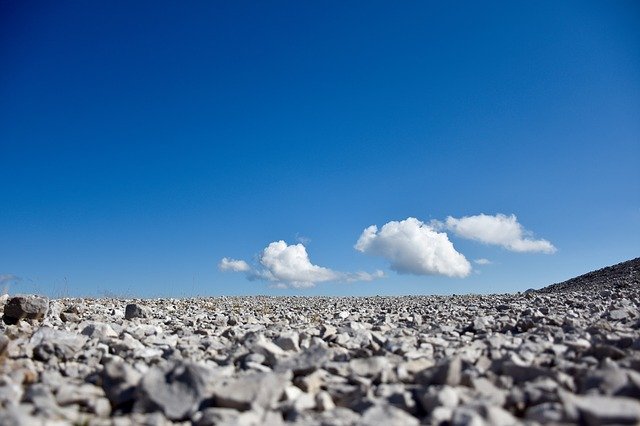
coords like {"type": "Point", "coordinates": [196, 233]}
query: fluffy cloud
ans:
{"type": "Point", "coordinates": [499, 230]}
{"type": "Point", "coordinates": [227, 264]}
{"type": "Point", "coordinates": [413, 247]}
{"type": "Point", "coordinates": [289, 266]}
{"type": "Point", "coordinates": [482, 262]}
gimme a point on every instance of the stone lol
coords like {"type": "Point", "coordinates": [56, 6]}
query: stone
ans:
{"type": "Point", "coordinates": [447, 372]}
{"type": "Point", "coordinates": [368, 367]}
{"type": "Point", "coordinates": [100, 331]}
{"type": "Point", "coordinates": [119, 381]}
{"type": "Point", "coordinates": [288, 341]}
{"type": "Point", "coordinates": [618, 314]}
{"type": "Point", "coordinates": [134, 310]}
{"type": "Point", "coordinates": [324, 402]}
{"type": "Point", "coordinates": [25, 307]}
{"type": "Point", "coordinates": [50, 343]}
{"type": "Point", "coordinates": [177, 391]}
{"type": "Point", "coordinates": [261, 390]}
{"type": "Point", "coordinates": [599, 410]}
{"type": "Point", "coordinates": [385, 414]}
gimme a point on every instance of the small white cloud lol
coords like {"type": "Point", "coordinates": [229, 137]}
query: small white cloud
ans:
{"type": "Point", "coordinates": [9, 278]}
{"type": "Point", "coordinates": [413, 247]}
{"type": "Point", "coordinates": [364, 276]}
{"type": "Point", "coordinates": [288, 266]}
{"type": "Point", "coordinates": [499, 230]}
{"type": "Point", "coordinates": [227, 264]}
{"type": "Point", "coordinates": [482, 262]}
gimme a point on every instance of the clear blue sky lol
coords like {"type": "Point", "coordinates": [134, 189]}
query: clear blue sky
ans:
{"type": "Point", "coordinates": [142, 142]}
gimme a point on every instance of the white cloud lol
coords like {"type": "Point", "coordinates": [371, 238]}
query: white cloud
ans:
{"type": "Point", "coordinates": [289, 266]}
{"type": "Point", "coordinates": [413, 247]}
{"type": "Point", "coordinates": [364, 276]}
{"type": "Point", "coordinates": [499, 230]}
{"type": "Point", "coordinates": [227, 264]}
{"type": "Point", "coordinates": [482, 262]}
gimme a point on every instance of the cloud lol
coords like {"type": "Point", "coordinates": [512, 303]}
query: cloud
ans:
{"type": "Point", "coordinates": [482, 262]}
{"type": "Point", "coordinates": [364, 276]}
{"type": "Point", "coordinates": [288, 266]}
{"type": "Point", "coordinates": [227, 264]}
{"type": "Point", "coordinates": [9, 278]}
{"type": "Point", "coordinates": [499, 230]}
{"type": "Point", "coordinates": [413, 247]}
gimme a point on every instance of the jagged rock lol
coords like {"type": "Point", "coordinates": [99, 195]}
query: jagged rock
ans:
{"type": "Point", "coordinates": [25, 307]}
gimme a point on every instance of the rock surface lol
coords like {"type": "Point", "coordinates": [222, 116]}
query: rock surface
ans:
{"type": "Point", "coordinates": [566, 354]}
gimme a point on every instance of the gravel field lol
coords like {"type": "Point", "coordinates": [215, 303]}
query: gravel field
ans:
{"type": "Point", "coordinates": [569, 353]}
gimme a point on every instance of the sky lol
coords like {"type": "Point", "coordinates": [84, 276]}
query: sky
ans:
{"type": "Point", "coordinates": [158, 148]}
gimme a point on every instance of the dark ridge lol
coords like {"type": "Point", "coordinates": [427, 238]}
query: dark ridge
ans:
{"type": "Point", "coordinates": [622, 275]}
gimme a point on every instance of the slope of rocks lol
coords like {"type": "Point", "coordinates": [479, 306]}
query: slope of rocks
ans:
{"type": "Point", "coordinates": [534, 358]}
{"type": "Point", "coordinates": [621, 275]}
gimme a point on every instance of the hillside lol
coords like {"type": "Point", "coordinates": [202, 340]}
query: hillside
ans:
{"type": "Point", "coordinates": [622, 275]}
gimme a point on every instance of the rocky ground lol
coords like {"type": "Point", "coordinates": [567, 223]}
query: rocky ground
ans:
{"type": "Point", "coordinates": [560, 355]}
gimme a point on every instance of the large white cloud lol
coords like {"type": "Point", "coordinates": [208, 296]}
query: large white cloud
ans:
{"type": "Point", "coordinates": [289, 266]}
{"type": "Point", "coordinates": [499, 230]}
{"type": "Point", "coordinates": [413, 247]}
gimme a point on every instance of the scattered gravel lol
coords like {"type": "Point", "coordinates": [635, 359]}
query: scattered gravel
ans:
{"type": "Point", "coordinates": [569, 353]}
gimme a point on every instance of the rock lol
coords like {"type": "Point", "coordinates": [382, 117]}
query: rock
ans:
{"type": "Point", "coordinates": [260, 390]}
{"type": "Point", "coordinates": [69, 317]}
{"type": "Point", "coordinates": [444, 397]}
{"type": "Point", "coordinates": [368, 367]}
{"type": "Point", "coordinates": [25, 307]}
{"type": "Point", "coordinates": [134, 310]}
{"type": "Point", "coordinates": [447, 372]}
{"type": "Point", "coordinates": [603, 410]}
{"type": "Point", "coordinates": [288, 341]}
{"type": "Point", "coordinates": [50, 343]}
{"type": "Point", "coordinates": [177, 390]}
{"type": "Point", "coordinates": [4, 344]}
{"type": "Point", "coordinates": [384, 414]}
{"type": "Point", "coordinates": [100, 331]}
{"type": "Point", "coordinates": [119, 381]}
{"type": "Point", "coordinates": [618, 314]}
{"type": "Point", "coordinates": [305, 362]}
{"type": "Point", "coordinates": [324, 402]}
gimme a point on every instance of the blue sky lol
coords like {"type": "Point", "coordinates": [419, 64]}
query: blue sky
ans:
{"type": "Point", "coordinates": [143, 143]}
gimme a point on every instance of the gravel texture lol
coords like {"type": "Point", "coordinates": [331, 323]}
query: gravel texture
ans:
{"type": "Point", "coordinates": [566, 354]}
